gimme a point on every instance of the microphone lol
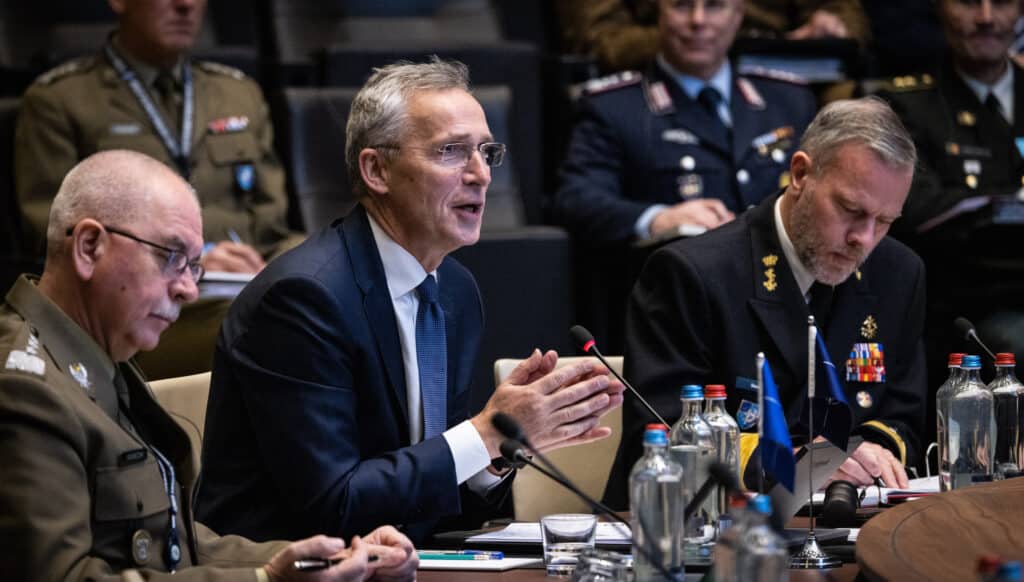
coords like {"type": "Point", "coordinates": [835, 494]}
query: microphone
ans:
{"type": "Point", "coordinates": [509, 428]}
{"type": "Point", "coordinates": [585, 342]}
{"type": "Point", "coordinates": [966, 329]}
{"type": "Point", "coordinates": [718, 474]}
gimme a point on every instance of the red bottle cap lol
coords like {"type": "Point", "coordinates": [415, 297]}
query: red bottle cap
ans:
{"type": "Point", "coordinates": [714, 391]}
{"type": "Point", "coordinates": [1005, 359]}
{"type": "Point", "coordinates": [656, 426]}
{"type": "Point", "coordinates": [956, 359]}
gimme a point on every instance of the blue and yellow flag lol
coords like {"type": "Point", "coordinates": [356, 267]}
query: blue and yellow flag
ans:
{"type": "Point", "coordinates": [775, 444]}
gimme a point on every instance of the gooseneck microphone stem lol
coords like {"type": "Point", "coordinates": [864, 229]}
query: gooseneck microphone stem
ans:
{"type": "Point", "coordinates": [966, 329]}
{"type": "Point", "coordinates": [585, 341]}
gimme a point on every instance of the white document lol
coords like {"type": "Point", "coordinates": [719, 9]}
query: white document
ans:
{"type": "Point", "coordinates": [923, 485]}
{"type": "Point", "coordinates": [529, 532]}
{"type": "Point", "coordinates": [489, 565]}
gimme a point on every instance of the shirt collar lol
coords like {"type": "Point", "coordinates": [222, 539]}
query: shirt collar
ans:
{"type": "Point", "coordinates": [804, 278]}
{"type": "Point", "coordinates": [1002, 89]}
{"type": "Point", "coordinates": [721, 80]}
{"type": "Point", "coordinates": [402, 271]}
{"type": "Point", "coordinates": [147, 73]}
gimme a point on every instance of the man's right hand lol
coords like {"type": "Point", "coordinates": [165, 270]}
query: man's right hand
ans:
{"type": "Point", "coordinates": [707, 212]}
{"type": "Point", "coordinates": [353, 568]}
{"type": "Point", "coordinates": [555, 407]}
{"type": "Point", "coordinates": [233, 257]}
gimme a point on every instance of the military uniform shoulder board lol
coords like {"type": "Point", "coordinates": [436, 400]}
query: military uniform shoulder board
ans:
{"type": "Point", "coordinates": [774, 75]}
{"type": "Point", "coordinates": [219, 69]}
{"type": "Point", "coordinates": [59, 72]}
{"type": "Point", "coordinates": [611, 82]}
{"type": "Point", "coordinates": [907, 83]}
{"type": "Point", "coordinates": [27, 359]}
{"type": "Point", "coordinates": [750, 93]}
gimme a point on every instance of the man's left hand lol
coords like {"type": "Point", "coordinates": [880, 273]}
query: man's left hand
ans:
{"type": "Point", "coordinates": [871, 460]}
{"type": "Point", "coordinates": [402, 561]}
{"type": "Point", "coordinates": [821, 24]}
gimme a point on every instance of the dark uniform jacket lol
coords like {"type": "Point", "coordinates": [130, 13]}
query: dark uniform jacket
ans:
{"type": "Point", "coordinates": [82, 497]}
{"type": "Point", "coordinates": [82, 107]}
{"type": "Point", "coordinates": [307, 426]}
{"type": "Point", "coordinates": [704, 307]}
{"type": "Point", "coordinates": [641, 141]}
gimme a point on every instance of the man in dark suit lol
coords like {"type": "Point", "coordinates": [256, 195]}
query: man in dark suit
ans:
{"type": "Point", "coordinates": [968, 124]}
{"type": "Point", "coordinates": [340, 383]}
{"type": "Point", "coordinates": [688, 144]}
{"type": "Point", "coordinates": [703, 308]}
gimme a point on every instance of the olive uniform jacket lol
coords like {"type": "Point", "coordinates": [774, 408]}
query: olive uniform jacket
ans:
{"type": "Point", "coordinates": [83, 107]}
{"type": "Point", "coordinates": [82, 496]}
{"type": "Point", "coordinates": [704, 307]}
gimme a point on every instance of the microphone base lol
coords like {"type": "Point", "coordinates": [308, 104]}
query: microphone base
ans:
{"type": "Point", "coordinates": [811, 557]}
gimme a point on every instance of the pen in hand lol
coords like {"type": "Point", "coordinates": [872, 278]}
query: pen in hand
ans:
{"type": "Point", "coordinates": [314, 564]}
{"type": "Point", "coordinates": [233, 235]}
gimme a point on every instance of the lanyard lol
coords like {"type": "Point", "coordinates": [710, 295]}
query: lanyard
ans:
{"type": "Point", "coordinates": [179, 151]}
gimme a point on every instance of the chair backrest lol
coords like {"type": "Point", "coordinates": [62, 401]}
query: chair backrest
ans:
{"type": "Point", "coordinates": [588, 466]}
{"type": "Point", "coordinates": [184, 398]}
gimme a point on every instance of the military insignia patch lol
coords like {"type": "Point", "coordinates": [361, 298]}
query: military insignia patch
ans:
{"type": "Point", "coordinates": [125, 129]}
{"type": "Point", "coordinates": [866, 363]}
{"type": "Point", "coordinates": [769, 262]}
{"type": "Point", "coordinates": [750, 93]}
{"type": "Point", "coordinates": [25, 362]}
{"type": "Point", "coordinates": [747, 415]}
{"type": "Point", "coordinates": [658, 99]}
{"type": "Point", "coordinates": [679, 136]}
{"type": "Point", "coordinates": [690, 186]}
{"type": "Point", "coordinates": [232, 124]}
{"type": "Point", "coordinates": [869, 329]}
{"type": "Point", "coordinates": [80, 374]}
{"type": "Point", "coordinates": [864, 399]}
{"type": "Point", "coordinates": [142, 542]}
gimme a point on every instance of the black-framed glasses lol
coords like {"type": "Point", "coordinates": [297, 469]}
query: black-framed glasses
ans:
{"type": "Point", "coordinates": [177, 261]}
{"type": "Point", "coordinates": [457, 154]}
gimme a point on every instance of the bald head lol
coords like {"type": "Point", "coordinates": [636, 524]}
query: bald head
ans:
{"type": "Point", "coordinates": [113, 187]}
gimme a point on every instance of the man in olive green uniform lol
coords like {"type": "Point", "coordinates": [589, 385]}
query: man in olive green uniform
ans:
{"type": "Point", "coordinates": [97, 477]}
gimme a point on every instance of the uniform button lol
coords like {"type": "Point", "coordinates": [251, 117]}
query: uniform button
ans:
{"type": "Point", "coordinates": [779, 156]}
{"type": "Point", "coordinates": [687, 163]}
{"type": "Point", "coordinates": [742, 176]}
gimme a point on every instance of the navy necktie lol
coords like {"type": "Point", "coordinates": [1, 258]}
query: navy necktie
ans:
{"type": "Point", "coordinates": [432, 359]}
{"type": "Point", "coordinates": [709, 98]}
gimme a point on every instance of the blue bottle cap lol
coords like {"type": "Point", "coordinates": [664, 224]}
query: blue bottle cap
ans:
{"type": "Point", "coordinates": [655, 436]}
{"type": "Point", "coordinates": [1010, 570]}
{"type": "Point", "coordinates": [761, 504]}
{"type": "Point", "coordinates": [691, 391]}
{"type": "Point", "coordinates": [971, 362]}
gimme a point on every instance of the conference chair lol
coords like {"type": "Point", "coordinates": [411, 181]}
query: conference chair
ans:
{"type": "Point", "coordinates": [184, 398]}
{"type": "Point", "coordinates": [588, 466]}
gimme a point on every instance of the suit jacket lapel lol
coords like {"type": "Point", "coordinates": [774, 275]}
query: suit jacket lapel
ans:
{"type": "Point", "coordinates": [777, 301]}
{"type": "Point", "coordinates": [369, 274]}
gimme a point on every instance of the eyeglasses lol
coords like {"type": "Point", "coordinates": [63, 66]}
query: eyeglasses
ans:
{"type": "Point", "coordinates": [457, 154]}
{"type": "Point", "coordinates": [712, 6]}
{"type": "Point", "coordinates": [177, 261]}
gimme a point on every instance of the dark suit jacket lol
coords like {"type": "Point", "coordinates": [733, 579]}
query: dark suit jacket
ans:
{"type": "Point", "coordinates": [629, 150]}
{"type": "Point", "coordinates": [307, 429]}
{"type": "Point", "coordinates": [701, 311]}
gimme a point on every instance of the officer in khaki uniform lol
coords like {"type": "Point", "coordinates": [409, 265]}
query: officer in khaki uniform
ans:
{"type": "Point", "coordinates": [97, 477]}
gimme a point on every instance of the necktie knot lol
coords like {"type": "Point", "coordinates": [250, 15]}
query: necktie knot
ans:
{"type": "Point", "coordinates": [427, 290]}
{"type": "Point", "coordinates": [710, 98]}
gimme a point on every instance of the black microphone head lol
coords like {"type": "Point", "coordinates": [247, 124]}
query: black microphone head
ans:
{"type": "Point", "coordinates": [508, 427]}
{"type": "Point", "coordinates": [581, 337]}
{"type": "Point", "coordinates": [963, 327]}
{"type": "Point", "coordinates": [724, 475]}
{"type": "Point", "coordinates": [511, 449]}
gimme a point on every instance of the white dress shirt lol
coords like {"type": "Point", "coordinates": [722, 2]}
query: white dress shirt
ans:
{"type": "Point", "coordinates": [404, 273]}
{"type": "Point", "coordinates": [1002, 89]}
{"type": "Point", "coordinates": [803, 276]}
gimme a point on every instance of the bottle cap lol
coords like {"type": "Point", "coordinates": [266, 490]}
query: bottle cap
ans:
{"type": "Point", "coordinates": [1005, 359]}
{"type": "Point", "coordinates": [655, 436]}
{"type": "Point", "coordinates": [988, 564]}
{"type": "Point", "coordinates": [761, 504]}
{"type": "Point", "coordinates": [714, 391]}
{"type": "Point", "coordinates": [1010, 570]}
{"type": "Point", "coordinates": [956, 359]}
{"type": "Point", "coordinates": [691, 391]}
{"type": "Point", "coordinates": [971, 362]}
{"type": "Point", "coordinates": [656, 426]}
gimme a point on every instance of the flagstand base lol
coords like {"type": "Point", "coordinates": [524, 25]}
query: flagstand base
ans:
{"type": "Point", "coordinates": [811, 557]}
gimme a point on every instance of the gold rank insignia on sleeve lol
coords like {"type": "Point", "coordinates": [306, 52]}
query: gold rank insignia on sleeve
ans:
{"type": "Point", "coordinates": [869, 329]}
{"type": "Point", "coordinates": [769, 272]}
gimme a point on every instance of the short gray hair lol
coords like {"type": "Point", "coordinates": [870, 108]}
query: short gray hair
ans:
{"type": "Point", "coordinates": [868, 121]}
{"type": "Point", "coordinates": [112, 187]}
{"type": "Point", "coordinates": [379, 111]}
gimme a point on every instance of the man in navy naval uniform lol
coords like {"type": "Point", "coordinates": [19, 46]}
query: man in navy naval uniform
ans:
{"type": "Point", "coordinates": [704, 307]}
{"type": "Point", "coordinates": [689, 143]}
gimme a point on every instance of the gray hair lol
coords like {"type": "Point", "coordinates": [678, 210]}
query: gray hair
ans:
{"type": "Point", "coordinates": [868, 121]}
{"type": "Point", "coordinates": [379, 111]}
{"type": "Point", "coordinates": [113, 187]}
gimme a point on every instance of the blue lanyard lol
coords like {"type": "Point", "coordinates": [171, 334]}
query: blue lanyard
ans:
{"type": "Point", "coordinates": [172, 551]}
{"type": "Point", "coordinates": [179, 151]}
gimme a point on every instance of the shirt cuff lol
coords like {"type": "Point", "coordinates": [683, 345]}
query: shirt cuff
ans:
{"type": "Point", "coordinates": [468, 451]}
{"type": "Point", "coordinates": [642, 227]}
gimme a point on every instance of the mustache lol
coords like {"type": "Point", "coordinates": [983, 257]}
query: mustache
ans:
{"type": "Point", "coordinates": [170, 313]}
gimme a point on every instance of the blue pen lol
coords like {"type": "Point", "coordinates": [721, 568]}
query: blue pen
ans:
{"type": "Point", "coordinates": [234, 236]}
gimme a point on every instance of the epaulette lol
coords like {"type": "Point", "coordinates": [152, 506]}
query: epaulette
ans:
{"type": "Point", "coordinates": [611, 82]}
{"type": "Point", "coordinates": [27, 359]}
{"type": "Point", "coordinates": [80, 64]}
{"type": "Point", "coordinates": [906, 83]}
{"type": "Point", "coordinates": [774, 74]}
{"type": "Point", "coordinates": [219, 69]}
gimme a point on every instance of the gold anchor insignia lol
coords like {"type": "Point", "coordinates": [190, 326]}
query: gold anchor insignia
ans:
{"type": "Point", "coordinates": [769, 273]}
{"type": "Point", "coordinates": [869, 329]}
{"type": "Point", "coordinates": [857, 273]}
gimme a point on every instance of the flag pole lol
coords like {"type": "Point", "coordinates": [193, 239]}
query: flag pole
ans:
{"type": "Point", "coordinates": [760, 419]}
{"type": "Point", "coordinates": [811, 557]}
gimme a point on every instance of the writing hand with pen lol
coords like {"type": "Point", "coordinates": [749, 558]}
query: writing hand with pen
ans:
{"type": "Point", "coordinates": [385, 554]}
{"type": "Point", "coordinates": [233, 256]}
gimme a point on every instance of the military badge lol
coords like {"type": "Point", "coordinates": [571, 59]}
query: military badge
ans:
{"type": "Point", "coordinates": [965, 118]}
{"type": "Point", "coordinates": [232, 124]}
{"type": "Point", "coordinates": [679, 136]}
{"type": "Point", "coordinates": [769, 272]}
{"type": "Point", "coordinates": [866, 363]}
{"type": "Point", "coordinates": [125, 129]}
{"type": "Point", "coordinates": [25, 362]}
{"type": "Point", "coordinates": [747, 415]}
{"type": "Point", "coordinates": [142, 542]}
{"type": "Point", "coordinates": [864, 399]}
{"type": "Point", "coordinates": [869, 329]}
{"type": "Point", "coordinates": [690, 186]}
{"type": "Point", "coordinates": [972, 181]}
{"type": "Point", "coordinates": [80, 374]}
{"type": "Point", "coordinates": [658, 99]}
{"type": "Point", "coordinates": [972, 167]}
{"type": "Point", "coordinates": [857, 274]}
